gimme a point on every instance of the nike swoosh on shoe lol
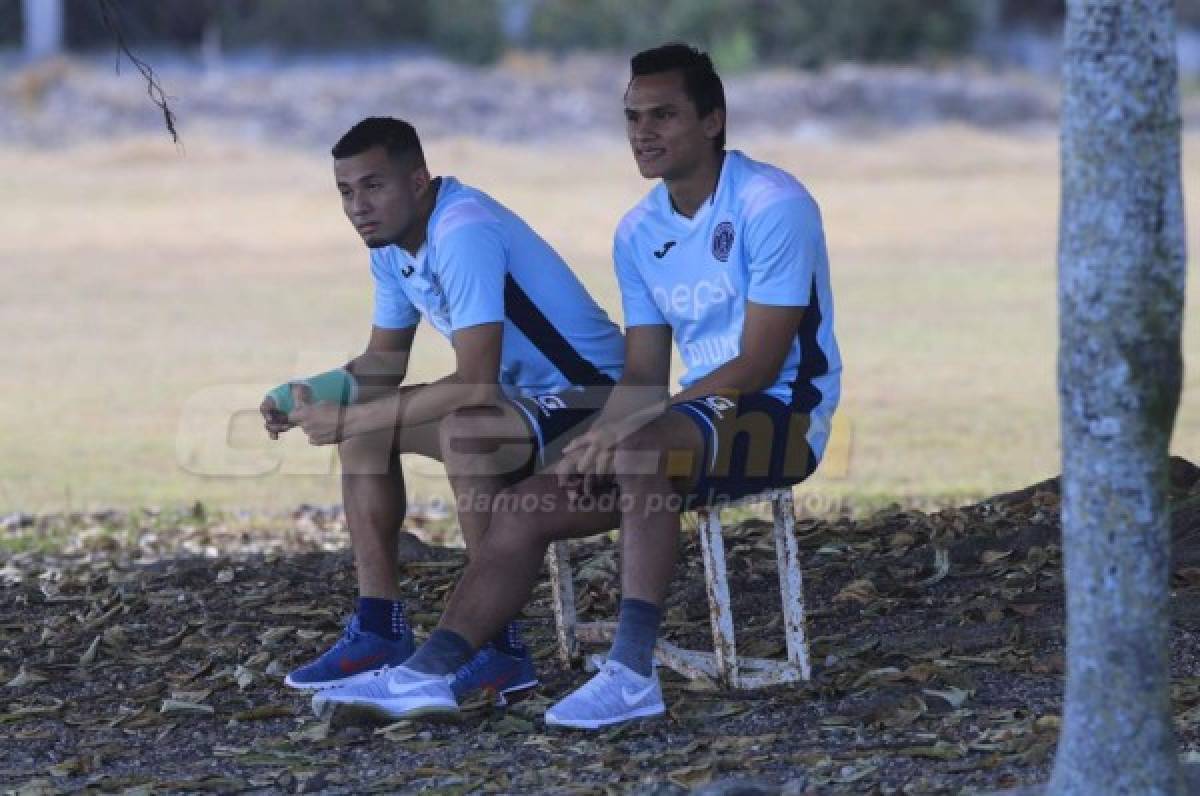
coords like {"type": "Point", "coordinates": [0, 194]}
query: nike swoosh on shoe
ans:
{"type": "Point", "coordinates": [633, 697]}
{"type": "Point", "coordinates": [398, 689]}
{"type": "Point", "coordinates": [351, 666]}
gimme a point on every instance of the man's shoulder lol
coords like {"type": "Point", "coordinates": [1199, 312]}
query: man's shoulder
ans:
{"type": "Point", "coordinates": [760, 186]}
{"type": "Point", "coordinates": [381, 258]}
{"type": "Point", "coordinates": [637, 216]}
{"type": "Point", "coordinates": [459, 207]}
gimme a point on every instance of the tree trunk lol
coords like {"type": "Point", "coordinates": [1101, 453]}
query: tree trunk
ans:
{"type": "Point", "coordinates": [1121, 287]}
{"type": "Point", "coordinates": [43, 28]}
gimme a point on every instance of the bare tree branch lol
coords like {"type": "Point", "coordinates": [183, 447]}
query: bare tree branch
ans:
{"type": "Point", "coordinates": [154, 89]}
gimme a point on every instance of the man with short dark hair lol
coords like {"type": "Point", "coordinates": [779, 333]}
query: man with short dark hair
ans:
{"type": "Point", "coordinates": [534, 357]}
{"type": "Point", "coordinates": [727, 256]}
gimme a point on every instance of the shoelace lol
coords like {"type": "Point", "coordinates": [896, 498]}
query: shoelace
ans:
{"type": "Point", "coordinates": [602, 677]}
{"type": "Point", "coordinates": [349, 635]}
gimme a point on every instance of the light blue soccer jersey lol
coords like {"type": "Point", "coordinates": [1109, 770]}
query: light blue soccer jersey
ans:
{"type": "Point", "coordinates": [757, 238]}
{"type": "Point", "coordinates": [482, 264]}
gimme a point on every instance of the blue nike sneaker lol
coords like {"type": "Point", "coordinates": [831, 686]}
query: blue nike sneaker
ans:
{"type": "Point", "coordinates": [357, 656]}
{"type": "Point", "coordinates": [497, 672]}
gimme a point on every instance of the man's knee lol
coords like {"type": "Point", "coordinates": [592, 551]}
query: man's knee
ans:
{"type": "Point", "coordinates": [509, 535]}
{"type": "Point", "coordinates": [641, 454]}
{"type": "Point", "coordinates": [483, 441]}
{"type": "Point", "coordinates": [368, 454]}
{"type": "Point", "coordinates": [660, 458]}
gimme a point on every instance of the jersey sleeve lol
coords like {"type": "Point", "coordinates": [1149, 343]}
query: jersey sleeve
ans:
{"type": "Point", "coordinates": [636, 300]}
{"type": "Point", "coordinates": [393, 310]}
{"type": "Point", "coordinates": [472, 263]}
{"type": "Point", "coordinates": [785, 247]}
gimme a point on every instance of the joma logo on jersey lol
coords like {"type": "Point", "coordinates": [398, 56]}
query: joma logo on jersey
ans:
{"type": "Point", "coordinates": [691, 300]}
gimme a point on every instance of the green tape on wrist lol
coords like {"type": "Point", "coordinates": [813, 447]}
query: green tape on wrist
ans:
{"type": "Point", "coordinates": [283, 397]}
{"type": "Point", "coordinates": [334, 386]}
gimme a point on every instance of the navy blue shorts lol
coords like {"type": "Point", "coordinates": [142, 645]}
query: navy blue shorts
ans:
{"type": "Point", "coordinates": [556, 418]}
{"type": "Point", "coordinates": [752, 444]}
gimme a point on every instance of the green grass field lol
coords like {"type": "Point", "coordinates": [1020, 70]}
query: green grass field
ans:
{"type": "Point", "coordinates": [147, 295]}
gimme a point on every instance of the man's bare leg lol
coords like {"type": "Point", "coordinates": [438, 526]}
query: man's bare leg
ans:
{"type": "Point", "coordinates": [374, 499]}
{"type": "Point", "coordinates": [505, 564]}
{"type": "Point", "coordinates": [655, 468]}
{"type": "Point", "coordinates": [501, 574]}
{"type": "Point", "coordinates": [477, 445]}
{"type": "Point", "coordinates": [499, 578]}
{"type": "Point", "coordinates": [484, 449]}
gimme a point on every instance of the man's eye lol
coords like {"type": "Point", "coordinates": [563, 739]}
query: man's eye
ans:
{"type": "Point", "coordinates": [374, 186]}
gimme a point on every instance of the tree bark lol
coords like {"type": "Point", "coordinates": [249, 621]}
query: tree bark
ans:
{"type": "Point", "coordinates": [1121, 288]}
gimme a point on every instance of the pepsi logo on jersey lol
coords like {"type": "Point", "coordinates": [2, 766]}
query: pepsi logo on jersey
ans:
{"type": "Point", "coordinates": [689, 301]}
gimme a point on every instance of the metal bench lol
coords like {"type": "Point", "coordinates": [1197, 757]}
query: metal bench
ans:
{"type": "Point", "coordinates": [722, 664]}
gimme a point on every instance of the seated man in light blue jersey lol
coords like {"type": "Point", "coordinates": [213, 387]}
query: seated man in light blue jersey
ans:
{"type": "Point", "coordinates": [535, 356]}
{"type": "Point", "coordinates": [727, 256]}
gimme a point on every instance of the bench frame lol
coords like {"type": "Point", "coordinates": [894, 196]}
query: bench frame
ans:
{"type": "Point", "coordinates": [722, 664]}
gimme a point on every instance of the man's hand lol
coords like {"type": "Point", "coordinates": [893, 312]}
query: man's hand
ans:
{"type": "Point", "coordinates": [275, 421]}
{"type": "Point", "coordinates": [323, 422]}
{"type": "Point", "coordinates": [586, 467]}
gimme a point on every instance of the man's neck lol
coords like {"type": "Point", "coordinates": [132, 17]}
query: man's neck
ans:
{"type": "Point", "coordinates": [414, 238]}
{"type": "Point", "coordinates": [688, 193]}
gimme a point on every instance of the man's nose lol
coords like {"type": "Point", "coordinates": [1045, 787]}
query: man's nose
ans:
{"type": "Point", "coordinates": [359, 205]}
{"type": "Point", "coordinates": [642, 128]}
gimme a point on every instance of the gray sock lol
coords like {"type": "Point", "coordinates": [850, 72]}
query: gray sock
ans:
{"type": "Point", "coordinates": [637, 630]}
{"type": "Point", "coordinates": [442, 653]}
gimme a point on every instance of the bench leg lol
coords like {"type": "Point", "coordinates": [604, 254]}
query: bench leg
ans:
{"type": "Point", "coordinates": [558, 561]}
{"type": "Point", "coordinates": [720, 609]}
{"type": "Point", "coordinates": [791, 584]}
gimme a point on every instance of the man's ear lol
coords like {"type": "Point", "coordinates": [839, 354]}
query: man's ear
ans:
{"type": "Point", "coordinates": [419, 179]}
{"type": "Point", "coordinates": [713, 123]}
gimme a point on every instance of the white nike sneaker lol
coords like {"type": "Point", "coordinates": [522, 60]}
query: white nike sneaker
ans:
{"type": "Point", "coordinates": [397, 693]}
{"type": "Point", "coordinates": [616, 694]}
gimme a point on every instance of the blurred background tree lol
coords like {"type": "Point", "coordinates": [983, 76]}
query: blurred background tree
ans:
{"type": "Point", "coordinates": [740, 33]}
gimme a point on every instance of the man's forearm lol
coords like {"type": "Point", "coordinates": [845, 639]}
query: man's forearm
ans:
{"type": "Point", "coordinates": [414, 407]}
{"type": "Point", "coordinates": [378, 373]}
{"type": "Point", "coordinates": [629, 407]}
{"type": "Point", "coordinates": [738, 375]}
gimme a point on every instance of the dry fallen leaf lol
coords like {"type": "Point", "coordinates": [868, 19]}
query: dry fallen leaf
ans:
{"type": "Point", "coordinates": [314, 731]}
{"type": "Point", "coordinates": [89, 656]}
{"type": "Point", "coordinates": [692, 776]}
{"type": "Point", "coordinates": [860, 591]}
{"type": "Point", "coordinates": [942, 750]}
{"type": "Point", "coordinates": [275, 635]}
{"type": "Point", "coordinates": [263, 712]}
{"type": "Point", "coordinates": [954, 696]}
{"type": "Point", "coordinates": [182, 706]}
{"type": "Point", "coordinates": [26, 677]}
{"type": "Point", "coordinates": [243, 677]}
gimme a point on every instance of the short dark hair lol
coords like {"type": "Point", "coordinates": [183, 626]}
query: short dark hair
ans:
{"type": "Point", "coordinates": [700, 80]}
{"type": "Point", "coordinates": [397, 137]}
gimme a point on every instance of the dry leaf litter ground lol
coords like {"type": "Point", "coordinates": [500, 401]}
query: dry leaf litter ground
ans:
{"type": "Point", "coordinates": [147, 656]}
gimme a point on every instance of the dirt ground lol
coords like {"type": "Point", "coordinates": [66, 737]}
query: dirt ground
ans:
{"type": "Point", "coordinates": [147, 656]}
